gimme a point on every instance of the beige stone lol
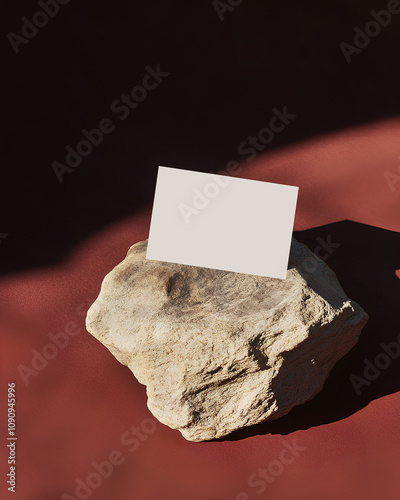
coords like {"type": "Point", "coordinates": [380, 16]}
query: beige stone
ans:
{"type": "Point", "coordinates": [218, 350]}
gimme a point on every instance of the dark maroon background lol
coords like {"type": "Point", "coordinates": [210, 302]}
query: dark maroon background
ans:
{"type": "Point", "coordinates": [75, 410]}
{"type": "Point", "coordinates": [225, 79]}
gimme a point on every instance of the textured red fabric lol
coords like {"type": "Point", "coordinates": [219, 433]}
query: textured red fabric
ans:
{"type": "Point", "coordinates": [77, 409]}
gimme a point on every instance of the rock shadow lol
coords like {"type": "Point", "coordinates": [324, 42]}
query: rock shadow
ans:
{"type": "Point", "coordinates": [365, 260]}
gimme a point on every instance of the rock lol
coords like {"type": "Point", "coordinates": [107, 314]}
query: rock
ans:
{"type": "Point", "coordinates": [218, 350]}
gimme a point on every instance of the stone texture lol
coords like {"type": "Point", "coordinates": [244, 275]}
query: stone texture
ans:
{"type": "Point", "coordinates": [217, 350]}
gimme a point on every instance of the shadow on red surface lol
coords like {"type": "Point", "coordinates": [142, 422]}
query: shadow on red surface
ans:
{"type": "Point", "coordinates": [365, 261]}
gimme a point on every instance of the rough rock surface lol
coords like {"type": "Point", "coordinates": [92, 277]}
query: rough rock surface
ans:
{"type": "Point", "coordinates": [218, 350]}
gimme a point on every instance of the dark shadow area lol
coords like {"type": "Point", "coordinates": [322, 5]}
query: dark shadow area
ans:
{"type": "Point", "coordinates": [365, 264]}
{"type": "Point", "coordinates": [227, 72]}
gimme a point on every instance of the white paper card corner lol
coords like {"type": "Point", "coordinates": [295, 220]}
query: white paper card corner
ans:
{"type": "Point", "coordinates": [221, 222]}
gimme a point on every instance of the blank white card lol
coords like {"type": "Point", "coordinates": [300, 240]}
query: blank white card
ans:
{"type": "Point", "coordinates": [222, 222]}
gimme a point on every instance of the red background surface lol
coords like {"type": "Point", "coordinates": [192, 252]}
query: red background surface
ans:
{"type": "Point", "coordinates": [75, 410]}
